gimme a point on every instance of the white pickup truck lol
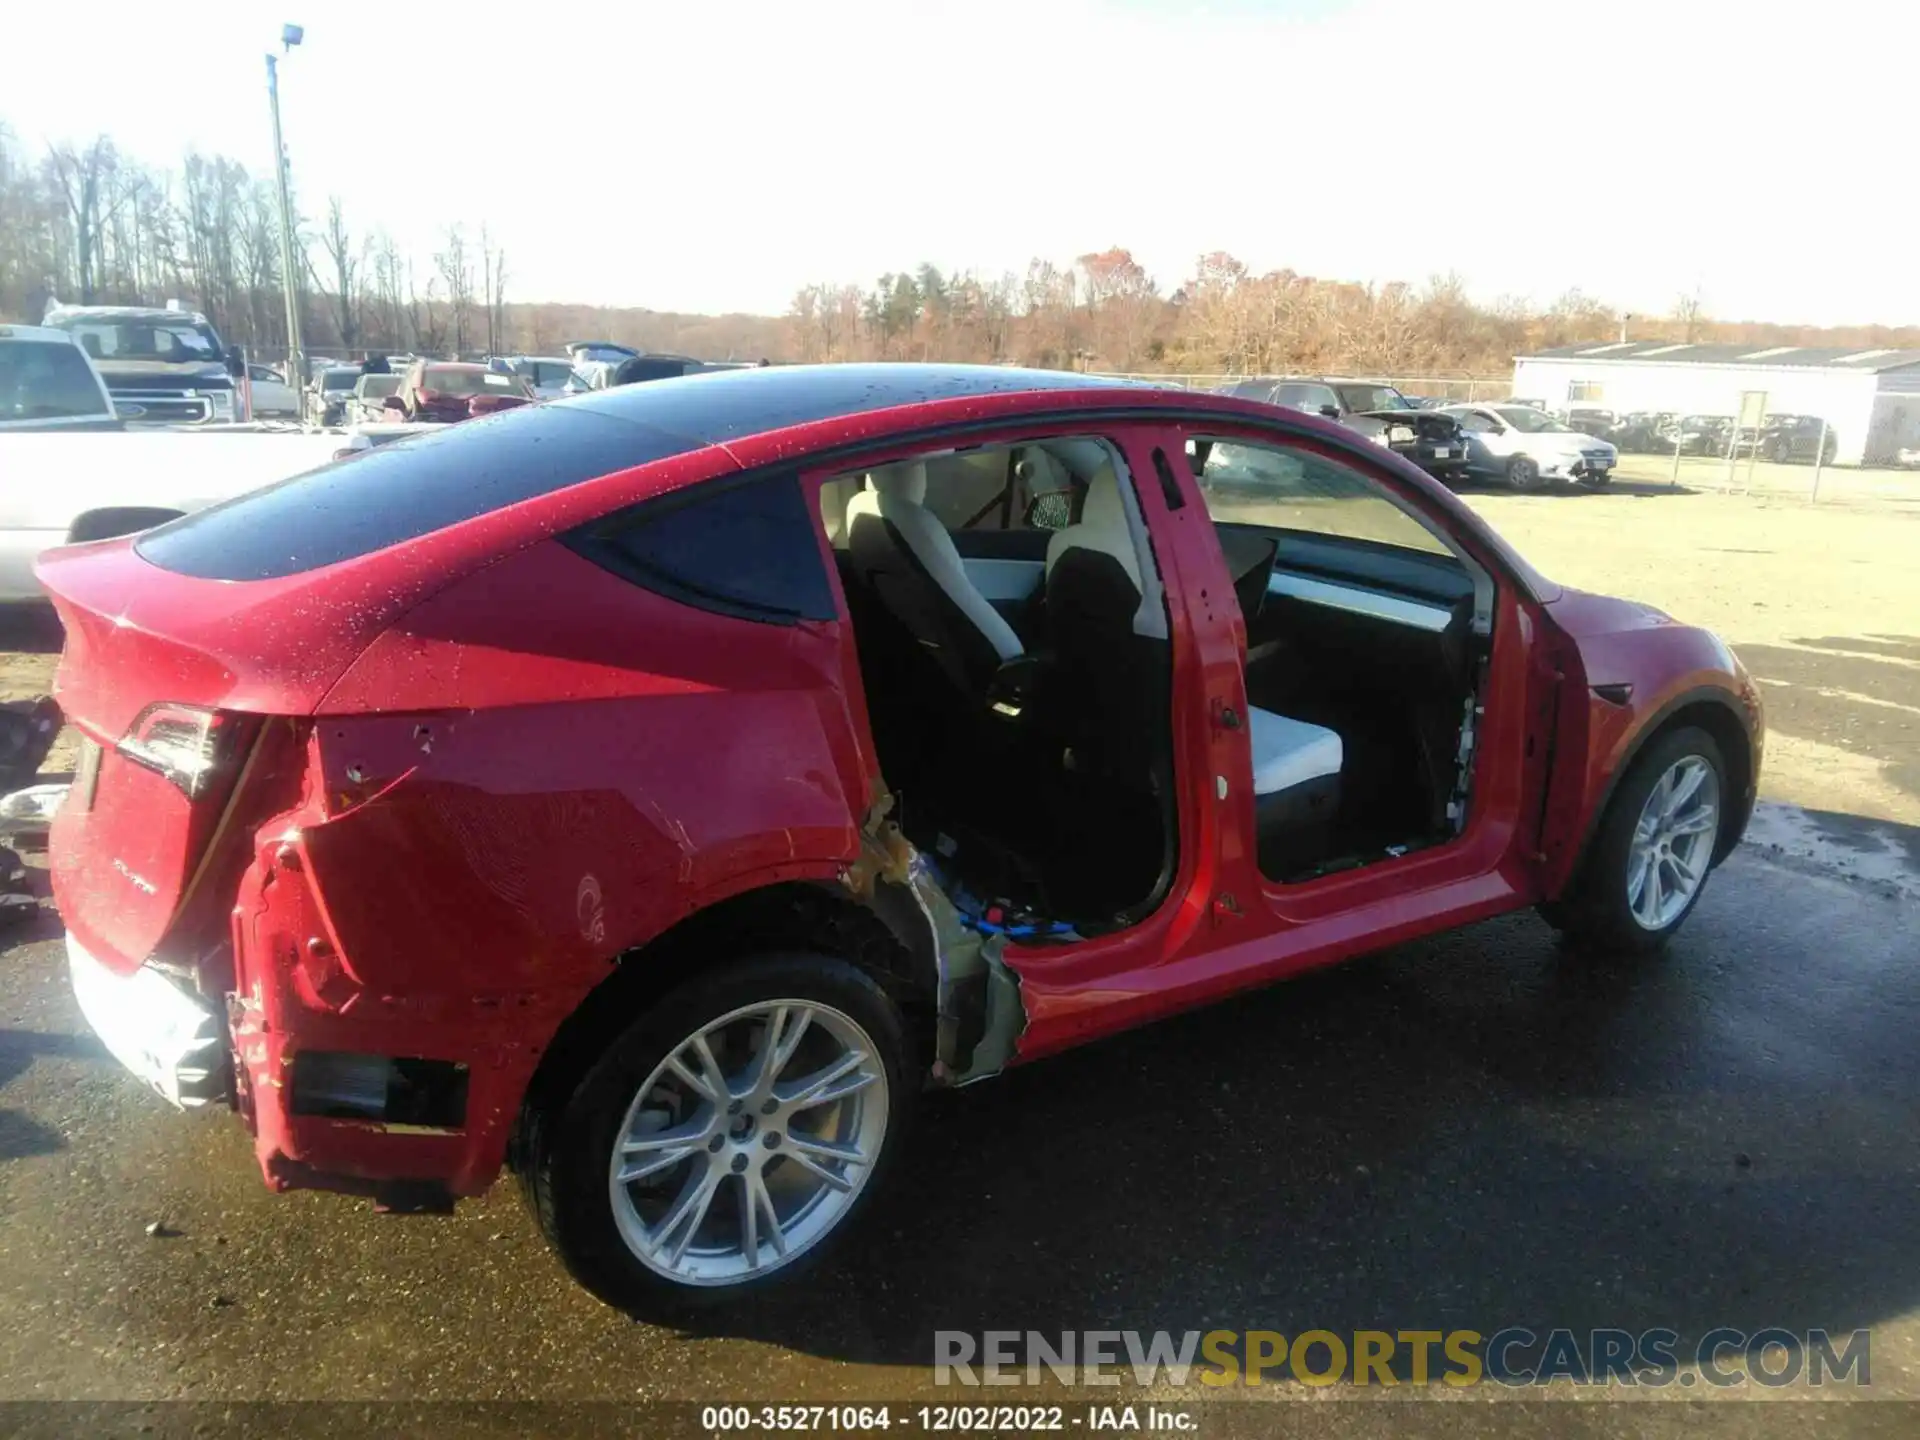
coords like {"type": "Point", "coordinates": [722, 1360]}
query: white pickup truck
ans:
{"type": "Point", "coordinates": [71, 469]}
{"type": "Point", "coordinates": [56, 488]}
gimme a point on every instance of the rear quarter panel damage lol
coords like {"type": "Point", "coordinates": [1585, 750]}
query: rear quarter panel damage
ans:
{"type": "Point", "coordinates": [468, 863]}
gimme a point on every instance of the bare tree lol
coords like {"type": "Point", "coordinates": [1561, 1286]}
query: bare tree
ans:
{"type": "Point", "coordinates": [389, 293]}
{"type": "Point", "coordinates": [259, 262]}
{"type": "Point", "coordinates": [493, 264]}
{"type": "Point", "coordinates": [85, 179]}
{"type": "Point", "coordinates": [456, 270]}
{"type": "Point", "coordinates": [1690, 311]}
{"type": "Point", "coordinates": [347, 261]}
{"type": "Point", "coordinates": [423, 320]}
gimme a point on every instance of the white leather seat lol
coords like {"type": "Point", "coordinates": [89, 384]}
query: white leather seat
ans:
{"type": "Point", "coordinates": [1288, 752]}
{"type": "Point", "coordinates": [1102, 527]}
{"type": "Point", "coordinates": [902, 547]}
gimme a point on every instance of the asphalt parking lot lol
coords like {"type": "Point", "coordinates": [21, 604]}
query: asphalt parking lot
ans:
{"type": "Point", "coordinates": [1476, 1131]}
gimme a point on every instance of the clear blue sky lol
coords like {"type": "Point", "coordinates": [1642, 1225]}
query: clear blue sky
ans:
{"type": "Point", "coordinates": [714, 156]}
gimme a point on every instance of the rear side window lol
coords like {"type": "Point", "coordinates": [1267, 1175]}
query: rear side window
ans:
{"type": "Point", "coordinates": [741, 548]}
{"type": "Point", "coordinates": [41, 380]}
{"type": "Point", "coordinates": [403, 490]}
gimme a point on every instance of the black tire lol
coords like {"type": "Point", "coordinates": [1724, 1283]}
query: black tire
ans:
{"type": "Point", "coordinates": [121, 520]}
{"type": "Point", "coordinates": [1523, 474]}
{"type": "Point", "coordinates": [1593, 913]}
{"type": "Point", "coordinates": [566, 1152]}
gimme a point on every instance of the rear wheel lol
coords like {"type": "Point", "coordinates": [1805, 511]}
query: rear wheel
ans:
{"type": "Point", "coordinates": [1523, 473]}
{"type": "Point", "coordinates": [727, 1138]}
{"type": "Point", "coordinates": [1650, 858]}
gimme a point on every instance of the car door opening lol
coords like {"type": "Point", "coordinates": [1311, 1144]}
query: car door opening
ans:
{"type": "Point", "coordinates": [1367, 643]}
{"type": "Point", "coordinates": [1012, 636]}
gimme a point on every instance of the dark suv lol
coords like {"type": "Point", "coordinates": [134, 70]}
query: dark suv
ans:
{"type": "Point", "coordinates": [1794, 437]}
{"type": "Point", "coordinates": [159, 365]}
{"type": "Point", "coordinates": [1433, 441]}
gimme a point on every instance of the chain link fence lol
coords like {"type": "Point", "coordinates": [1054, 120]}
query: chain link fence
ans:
{"type": "Point", "coordinates": [1454, 389]}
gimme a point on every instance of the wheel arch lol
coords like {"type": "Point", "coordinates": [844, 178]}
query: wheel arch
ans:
{"type": "Point", "coordinates": [1718, 712]}
{"type": "Point", "coordinates": [787, 915]}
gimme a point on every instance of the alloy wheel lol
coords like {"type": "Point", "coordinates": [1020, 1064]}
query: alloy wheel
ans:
{"type": "Point", "coordinates": [1672, 843]}
{"type": "Point", "coordinates": [749, 1143]}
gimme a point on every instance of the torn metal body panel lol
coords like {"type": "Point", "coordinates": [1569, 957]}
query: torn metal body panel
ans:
{"type": "Point", "coordinates": [979, 1014]}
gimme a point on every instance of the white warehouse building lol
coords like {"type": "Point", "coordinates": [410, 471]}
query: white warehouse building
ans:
{"type": "Point", "coordinates": [1870, 399]}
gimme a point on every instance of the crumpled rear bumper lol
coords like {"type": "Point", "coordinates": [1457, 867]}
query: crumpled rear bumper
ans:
{"type": "Point", "coordinates": [173, 1040]}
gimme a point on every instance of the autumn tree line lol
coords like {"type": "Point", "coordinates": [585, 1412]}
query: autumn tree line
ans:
{"type": "Point", "coordinates": [1104, 312]}
{"type": "Point", "coordinates": [90, 224]}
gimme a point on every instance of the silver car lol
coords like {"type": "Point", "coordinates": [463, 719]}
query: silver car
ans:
{"type": "Point", "coordinates": [1527, 448]}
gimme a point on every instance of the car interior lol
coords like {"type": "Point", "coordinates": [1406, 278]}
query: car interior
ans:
{"type": "Point", "coordinates": [1013, 642]}
{"type": "Point", "coordinates": [1367, 638]}
{"type": "Point", "coordinates": [1012, 634]}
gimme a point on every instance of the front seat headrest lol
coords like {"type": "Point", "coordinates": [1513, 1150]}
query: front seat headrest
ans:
{"type": "Point", "coordinates": [906, 481]}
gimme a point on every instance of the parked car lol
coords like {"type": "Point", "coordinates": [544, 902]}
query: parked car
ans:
{"type": "Point", "coordinates": [1640, 431]}
{"type": "Point", "coordinates": [272, 395]}
{"type": "Point", "coordinates": [48, 383]}
{"type": "Point", "coordinates": [1591, 420]}
{"type": "Point", "coordinates": [362, 436]}
{"type": "Point", "coordinates": [546, 375]}
{"type": "Point", "coordinates": [160, 365]}
{"type": "Point", "coordinates": [1526, 448]}
{"type": "Point", "coordinates": [370, 392]}
{"type": "Point", "coordinates": [1786, 438]}
{"type": "Point", "coordinates": [448, 390]}
{"type": "Point", "coordinates": [662, 788]}
{"type": "Point", "coordinates": [589, 375]}
{"type": "Point", "coordinates": [1697, 434]}
{"type": "Point", "coordinates": [641, 368]}
{"type": "Point", "coordinates": [602, 351]}
{"type": "Point", "coordinates": [333, 390]}
{"type": "Point", "coordinates": [1429, 438]}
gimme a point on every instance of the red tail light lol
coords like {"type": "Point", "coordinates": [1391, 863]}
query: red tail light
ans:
{"type": "Point", "coordinates": [186, 744]}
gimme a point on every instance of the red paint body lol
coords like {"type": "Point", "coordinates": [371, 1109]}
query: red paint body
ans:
{"type": "Point", "coordinates": [489, 768]}
{"type": "Point", "coordinates": [443, 390]}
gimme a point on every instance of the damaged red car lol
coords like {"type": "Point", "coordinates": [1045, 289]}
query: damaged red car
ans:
{"type": "Point", "coordinates": [655, 791]}
{"type": "Point", "coordinates": [450, 391]}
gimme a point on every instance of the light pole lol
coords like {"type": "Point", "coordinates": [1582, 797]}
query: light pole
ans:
{"type": "Point", "coordinates": [290, 36]}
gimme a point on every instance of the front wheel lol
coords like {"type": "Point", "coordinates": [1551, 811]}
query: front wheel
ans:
{"type": "Point", "coordinates": [1649, 860]}
{"type": "Point", "coordinates": [1523, 474]}
{"type": "Point", "coordinates": [727, 1138]}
